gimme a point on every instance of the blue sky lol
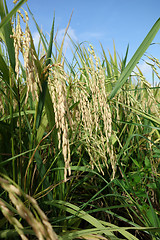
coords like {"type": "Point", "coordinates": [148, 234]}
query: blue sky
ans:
{"type": "Point", "coordinates": [124, 21]}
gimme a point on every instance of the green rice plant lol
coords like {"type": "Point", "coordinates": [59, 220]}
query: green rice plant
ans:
{"type": "Point", "coordinates": [136, 57]}
{"type": "Point", "coordinates": [135, 122]}
{"type": "Point", "coordinates": [26, 90]}
{"type": "Point", "coordinates": [83, 137]}
{"type": "Point", "coordinates": [35, 218]}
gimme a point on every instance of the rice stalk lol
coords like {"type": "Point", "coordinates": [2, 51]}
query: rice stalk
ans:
{"type": "Point", "coordinates": [39, 222]}
{"type": "Point", "coordinates": [57, 83]}
{"type": "Point", "coordinates": [22, 43]}
{"type": "Point", "coordinates": [94, 112]}
{"type": "Point", "coordinates": [104, 120]}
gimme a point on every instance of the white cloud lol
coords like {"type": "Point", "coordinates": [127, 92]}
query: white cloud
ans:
{"type": "Point", "coordinates": [147, 71]}
{"type": "Point", "coordinates": [36, 38]}
{"type": "Point", "coordinates": [59, 38]}
{"type": "Point", "coordinates": [70, 32]}
{"type": "Point", "coordinates": [145, 68]}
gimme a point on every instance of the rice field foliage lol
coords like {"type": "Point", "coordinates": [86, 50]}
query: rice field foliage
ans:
{"type": "Point", "coordinates": [79, 139]}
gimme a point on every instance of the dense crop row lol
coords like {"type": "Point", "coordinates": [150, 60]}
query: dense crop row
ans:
{"type": "Point", "coordinates": [79, 141]}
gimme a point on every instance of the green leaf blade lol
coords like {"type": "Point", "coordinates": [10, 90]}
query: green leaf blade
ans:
{"type": "Point", "coordinates": [136, 57]}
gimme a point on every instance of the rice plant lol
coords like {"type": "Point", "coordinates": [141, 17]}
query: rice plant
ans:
{"type": "Point", "coordinates": [79, 140]}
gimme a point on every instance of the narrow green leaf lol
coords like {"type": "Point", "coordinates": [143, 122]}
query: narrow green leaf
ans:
{"type": "Point", "coordinates": [44, 81]}
{"type": "Point", "coordinates": [5, 19]}
{"type": "Point", "coordinates": [153, 217]}
{"type": "Point", "coordinates": [49, 52]}
{"type": "Point", "coordinates": [5, 27]}
{"type": "Point", "coordinates": [61, 48]}
{"type": "Point", "coordinates": [136, 57]}
{"type": "Point", "coordinates": [107, 62]}
{"type": "Point", "coordinates": [4, 70]}
{"type": "Point", "coordinates": [42, 128]}
{"type": "Point", "coordinates": [125, 59]}
{"type": "Point", "coordinates": [16, 114]}
{"type": "Point", "coordinates": [42, 172]}
{"type": "Point", "coordinates": [81, 214]}
{"type": "Point", "coordinates": [43, 39]}
{"type": "Point", "coordinates": [148, 116]}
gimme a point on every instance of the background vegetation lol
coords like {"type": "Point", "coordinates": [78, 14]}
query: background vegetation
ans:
{"type": "Point", "coordinates": [79, 140]}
